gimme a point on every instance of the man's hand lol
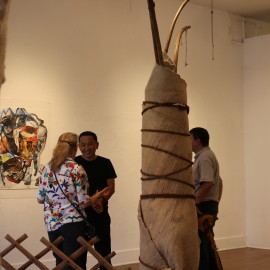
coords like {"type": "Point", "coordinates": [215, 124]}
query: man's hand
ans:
{"type": "Point", "coordinates": [95, 199]}
{"type": "Point", "coordinates": [198, 210]}
{"type": "Point", "coordinates": [103, 193]}
{"type": "Point", "coordinates": [98, 206]}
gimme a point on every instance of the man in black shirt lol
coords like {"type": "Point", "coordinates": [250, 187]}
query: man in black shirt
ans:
{"type": "Point", "coordinates": [100, 173]}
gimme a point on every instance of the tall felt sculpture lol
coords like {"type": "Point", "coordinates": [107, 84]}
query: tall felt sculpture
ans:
{"type": "Point", "coordinates": [4, 10]}
{"type": "Point", "coordinates": [167, 213]}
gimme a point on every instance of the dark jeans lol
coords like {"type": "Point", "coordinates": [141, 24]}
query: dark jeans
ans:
{"type": "Point", "coordinates": [207, 258]}
{"type": "Point", "coordinates": [70, 232]}
{"type": "Point", "coordinates": [102, 223]}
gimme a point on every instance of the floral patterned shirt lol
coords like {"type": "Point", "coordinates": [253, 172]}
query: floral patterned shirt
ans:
{"type": "Point", "coordinates": [57, 208]}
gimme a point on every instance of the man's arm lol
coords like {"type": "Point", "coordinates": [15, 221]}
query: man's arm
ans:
{"type": "Point", "coordinates": [203, 191]}
{"type": "Point", "coordinates": [220, 189]}
{"type": "Point", "coordinates": [98, 206]}
{"type": "Point", "coordinates": [111, 188]}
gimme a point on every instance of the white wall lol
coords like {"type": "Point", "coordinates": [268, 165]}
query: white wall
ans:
{"type": "Point", "coordinates": [257, 111]}
{"type": "Point", "coordinates": [255, 28]}
{"type": "Point", "coordinates": [85, 65]}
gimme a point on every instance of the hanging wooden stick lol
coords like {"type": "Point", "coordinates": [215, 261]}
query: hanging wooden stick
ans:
{"type": "Point", "coordinates": [177, 44]}
{"type": "Point", "coordinates": [212, 28]}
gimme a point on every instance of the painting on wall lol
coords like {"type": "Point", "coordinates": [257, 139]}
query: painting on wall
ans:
{"type": "Point", "coordinates": [23, 137]}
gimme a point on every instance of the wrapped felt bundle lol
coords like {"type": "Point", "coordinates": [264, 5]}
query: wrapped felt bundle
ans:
{"type": "Point", "coordinates": [167, 213]}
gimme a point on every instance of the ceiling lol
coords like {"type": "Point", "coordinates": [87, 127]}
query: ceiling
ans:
{"type": "Point", "coordinates": [255, 9]}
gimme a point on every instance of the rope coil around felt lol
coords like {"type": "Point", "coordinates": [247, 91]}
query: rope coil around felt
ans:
{"type": "Point", "coordinates": [152, 177]}
{"type": "Point", "coordinates": [147, 265]}
{"type": "Point", "coordinates": [167, 196]}
{"type": "Point", "coordinates": [182, 107]}
{"type": "Point", "coordinates": [166, 131]}
{"type": "Point", "coordinates": [166, 176]}
{"type": "Point", "coordinates": [167, 152]}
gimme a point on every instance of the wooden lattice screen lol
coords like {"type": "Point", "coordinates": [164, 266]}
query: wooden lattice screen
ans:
{"type": "Point", "coordinates": [35, 259]}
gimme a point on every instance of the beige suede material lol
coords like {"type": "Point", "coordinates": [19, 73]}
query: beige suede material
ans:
{"type": "Point", "coordinates": [168, 226]}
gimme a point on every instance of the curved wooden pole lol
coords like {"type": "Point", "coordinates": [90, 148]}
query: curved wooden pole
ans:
{"type": "Point", "coordinates": [166, 48]}
{"type": "Point", "coordinates": [177, 44]}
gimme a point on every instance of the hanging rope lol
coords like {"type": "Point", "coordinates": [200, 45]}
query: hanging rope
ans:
{"type": "Point", "coordinates": [212, 28]}
{"type": "Point", "coordinates": [186, 63]}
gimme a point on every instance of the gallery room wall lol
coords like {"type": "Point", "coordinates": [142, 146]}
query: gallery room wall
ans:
{"type": "Point", "coordinates": [83, 65]}
{"type": "Point", "coordinates": [256, 134]}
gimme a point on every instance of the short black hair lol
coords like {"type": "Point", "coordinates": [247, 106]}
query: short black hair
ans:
{"type": "Point", "coordinates": [202, 134]}
{"type": "Point", "coordinates": [88, 133]}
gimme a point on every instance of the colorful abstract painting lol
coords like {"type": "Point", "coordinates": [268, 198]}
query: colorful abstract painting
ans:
{"type": "Point", "coordinates": [22, 140]}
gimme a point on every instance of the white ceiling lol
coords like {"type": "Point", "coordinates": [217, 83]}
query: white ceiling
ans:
{"type": "Point", "coordinates": [256, 9]}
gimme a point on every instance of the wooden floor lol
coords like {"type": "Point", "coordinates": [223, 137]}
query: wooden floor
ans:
{"type": "Point", "coordinates": [245, 259]}
{"type": "Point", "coordinates": [235, 259]}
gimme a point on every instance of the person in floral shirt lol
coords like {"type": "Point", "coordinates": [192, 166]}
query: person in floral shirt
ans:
{"type": "Point", "coordinates": [61, 218]}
